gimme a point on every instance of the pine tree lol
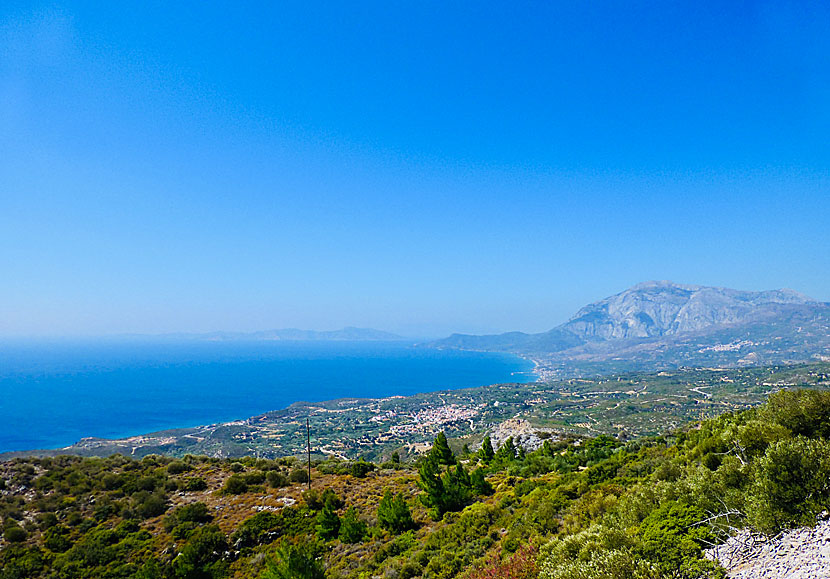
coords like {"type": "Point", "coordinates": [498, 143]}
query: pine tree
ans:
{"type": "Point", "coordinates": [507, 451]}
{"type": "Point", "coordinates": [457, 487]}
{"type": "Point", "coordinates": [352, 529]}
{"type": "Point", "coordinates": [479, 483]}
{"type": "Point", "coordinates": [394, 514]}
{"type": "Point", "coordinates": [441, 451]}
{"type": "Point", "coordinates": [433, 487]}
{"type": "Point", "coordinates": [328, 523]}
{"type": "Point", "coordinates": [486, 453]}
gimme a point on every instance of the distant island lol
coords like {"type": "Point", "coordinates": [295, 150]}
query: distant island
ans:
{"type": "Point", "coordinates": [347, 334]}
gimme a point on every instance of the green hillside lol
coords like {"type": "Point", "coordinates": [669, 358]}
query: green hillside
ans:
{"type": "Point", "coordinates": [579, 507]}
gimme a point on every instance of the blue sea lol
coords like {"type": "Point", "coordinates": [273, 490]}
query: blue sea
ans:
{"type": "Point", "coordinates": [52, 394]}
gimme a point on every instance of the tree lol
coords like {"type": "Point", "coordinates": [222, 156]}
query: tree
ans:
{"type": "Point", "coordinates": [201, 557]}
{"type": "Point", "coordinates": [394, 514]}
{"type": "Point", "coordinates": [673, 538]}
{"type": "Point", "coordinates": [792, 485]}
{"type": "Point", "coordinates": [457, 487]}
{"type": "Point", "coordinates": [294, 562]}
{"type": "Point", "coordinates": [486, 453]}
{"type": "Point", "coordinates": [507, 451]}
{"type": "Point", "coordinates": [352, 529]}
{"type": "Point", "coordinates": [479, 483]}
{"type": "Point", "coordinates": [441, 451]}
{"type": "Point", "coordinates": [328, 523]}
{"type": "Point", "coordinates": [433, 487]}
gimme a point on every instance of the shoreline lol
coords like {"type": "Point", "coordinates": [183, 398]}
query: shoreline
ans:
{"type": "Point", "coordinates": [181, 427]}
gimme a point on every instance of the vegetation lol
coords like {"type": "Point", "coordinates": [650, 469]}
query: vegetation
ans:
{"type": "Point", "coordinates": [572, 507]}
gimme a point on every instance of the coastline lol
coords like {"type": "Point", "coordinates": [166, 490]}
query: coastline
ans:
{"type": "Point", "coordinates": [464, 372]}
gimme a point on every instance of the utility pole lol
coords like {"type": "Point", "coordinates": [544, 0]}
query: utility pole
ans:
{"type": "Point", "coordinates": [308, 448]}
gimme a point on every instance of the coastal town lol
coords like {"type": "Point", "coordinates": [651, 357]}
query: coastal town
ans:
{"type": "Point", "coordinates": [625, 406]}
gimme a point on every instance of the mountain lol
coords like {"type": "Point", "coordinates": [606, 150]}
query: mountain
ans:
{"type": "Point", "coordinates": [347, 334]}
{"type": "Point", "coordinates": [660, 324]}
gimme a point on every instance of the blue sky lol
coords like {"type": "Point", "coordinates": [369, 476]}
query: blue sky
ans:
{"type": "Point", "coordinates": [418, 167]}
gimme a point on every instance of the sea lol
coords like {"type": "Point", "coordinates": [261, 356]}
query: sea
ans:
{"type": "Point", "coordinates": [53, 393]}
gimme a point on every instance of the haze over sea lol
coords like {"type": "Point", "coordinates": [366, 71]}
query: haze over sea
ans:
{"type": "Point", "coordinates": [55, 393]}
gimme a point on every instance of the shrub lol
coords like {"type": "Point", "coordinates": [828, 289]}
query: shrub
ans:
{"type": "Point", "coordinates": [178, 467]}
{"type": "Point", "coordinates": [256, 477]}
{"type": "Point", "coordinates": [147, 504]}
{"type": "Point", "coordinates": [521, 565]}
{"type": "Point", "coordinates": [595, 553]}
{"type": "Point", "coordinates": [14, 534]}
{"type": "Point", "coordinates": [298, 475]}
{"type": "Point", "coordinates": [202, 554]}
{"type": "Point", "coordinates": [361, 468]}
{"type": "Point", "coordinates": [792, 484]}
{"type": "Point", "coordinates": [328, 523]}
{"type": "Point", "coordinates": [193, 484]}
{"type": "Point", "coordinates": [276, 479]}
{"type": "Point", "coordinates": [235, 485]}
{"type": "Point", "coordinates": [257, 529]}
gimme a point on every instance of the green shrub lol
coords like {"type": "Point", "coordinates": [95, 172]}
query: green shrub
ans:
{"type": "Point", "coordinates": [14, 534]}
{"type": "Point", "coordinates": [193, 484]}
{"type": "Point", "coordinates": [298, 475]}
{"type": "Point", "coordinates": [792, 484]}
{"type": "Point", "coordinates": [361, 468]}
{"type": "Point", "coordinates": [235, 485]}
{"type": "Point", "coordinates": [202, 555]}
{"type": "Point", "coordinates": [328, 522]}
{"type": "Point", "coordinates": [178, 467]}
{"type": "Point", "coordinates": [276, 479]}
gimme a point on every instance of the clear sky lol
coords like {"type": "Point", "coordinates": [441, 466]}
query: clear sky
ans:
{"type": "Point", "coordinates": [420, 167]}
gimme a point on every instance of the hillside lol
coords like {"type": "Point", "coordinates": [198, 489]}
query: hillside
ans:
{"type": "Point", "coordinates": [663, 325]}
{"type": "Point", "coordinates": [576, 507]}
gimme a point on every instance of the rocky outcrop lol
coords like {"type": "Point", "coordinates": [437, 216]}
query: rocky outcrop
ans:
{"type": "Point", "coordinates": [798, 554]}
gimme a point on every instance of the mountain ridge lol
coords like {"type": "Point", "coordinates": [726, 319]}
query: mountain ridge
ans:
{"type": "Point", "coordinates": [658, 324]}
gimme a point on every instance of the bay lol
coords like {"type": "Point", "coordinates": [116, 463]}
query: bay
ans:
{"type": "Point", "coordinates": [53, 393]}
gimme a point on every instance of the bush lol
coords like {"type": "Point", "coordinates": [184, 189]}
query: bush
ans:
{"type": "Point", "coordinates": [361, 468]}
{"type": "Point", "coordinates": [792, 484]}
{"type": "Point", "coordinates": [298, 475]}
{"type": "Point", "coordinates": [178, 467]}
{"type": "Point", "coordinates": [256, 477]}
{"type": "Point", "coordinates": [595, 553]}
{"type": "Point", "coordinates": [673, 539]}
{"type": "Point", "coordinates": [276, 479]}
{"type": "Point", "coordinates": [255, 530]}
{"type": "Point", "coordinates": [147, 504]}
{"type": "Point", "coordinates": [193, 484]}
{"type": "Point", "coordinates": [193, 513]}
{"type": "Point", "coordinates": [521, 565]}
{"type": "Point", "coordinates": [235, 485]}
{"type": "Point", "coordinates": [14, 534]}
{"type": "Point", "coordinates": [202, 554]}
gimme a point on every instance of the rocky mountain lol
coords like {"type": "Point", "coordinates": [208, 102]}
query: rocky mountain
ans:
{"type": "Point", "coordinates": [663, 324]}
